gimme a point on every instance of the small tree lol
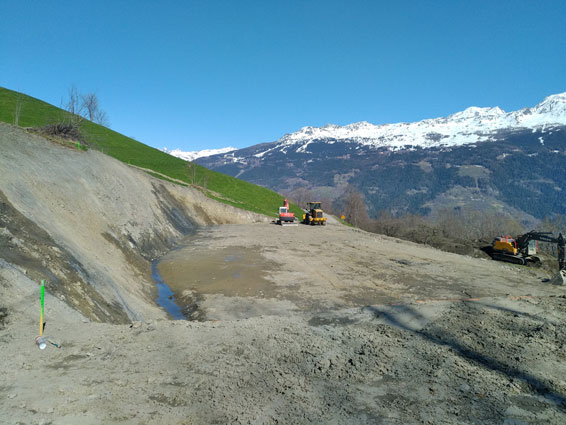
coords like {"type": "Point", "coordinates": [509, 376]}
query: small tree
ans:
{"type": "Point", "coordinates": [73, 104]}
{"type": "Point", "coordinates": [101, 118]}
{"type": "Point", "coordinates": [70, 123]}
{"type": "Point", "coordinates": [19, 106]}
{"type": "Point", "coordinates": [205, 180]}
{"type": "Point", "coordinates": [90, 105]}
{"type": "Point", "coordinates": [91, 109]}
{"type": "Point", "coordinates": [192, 167]}
{"type": "Point", "coordinates": [356, 210]}
{"type": "Point", "coordinates": [327, 205]}
{"type": "Point", "coordinates": [80, 106]}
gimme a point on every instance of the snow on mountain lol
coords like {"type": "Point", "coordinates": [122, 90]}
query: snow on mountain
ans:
{"type": "Point", "coordinates": [191, 156]}
{"type": "Point", "coordinates": [469, 126]}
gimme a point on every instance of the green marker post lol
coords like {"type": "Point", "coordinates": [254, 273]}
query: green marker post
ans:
{"type": "Point", "coordinates": [42, 307]}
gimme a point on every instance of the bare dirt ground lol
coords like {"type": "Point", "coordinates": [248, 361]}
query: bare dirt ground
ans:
{"type": "Point", "coordinates": [296, 325]}
{"type": "Point", "coordinates": [440, 338]}
{"type": "Point", "coordinates": [239, 271]}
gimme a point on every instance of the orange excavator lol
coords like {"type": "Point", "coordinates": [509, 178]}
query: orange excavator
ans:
{"type": "Point", "coordinates": [286, 217]}
{"type": "Point", "coordinates": [522, 250]}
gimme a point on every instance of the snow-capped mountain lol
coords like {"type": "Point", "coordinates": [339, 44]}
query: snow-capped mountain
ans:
{"type": "Point", "coordinates": [191, 156]}
{"type": "Point", "coordinates": [469, 126]}
{"type": "Point", "coordinates": [485, 157]}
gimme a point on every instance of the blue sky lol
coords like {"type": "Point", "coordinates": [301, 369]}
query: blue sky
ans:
{"type": "Point", "coordinates": [205, 74]}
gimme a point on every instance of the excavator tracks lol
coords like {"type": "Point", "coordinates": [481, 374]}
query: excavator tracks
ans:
{"type": "Point", "coordinates": [509, 258]}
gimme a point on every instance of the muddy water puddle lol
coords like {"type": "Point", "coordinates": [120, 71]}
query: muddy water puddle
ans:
{"type": "Point", "coordinates": [230, 273]}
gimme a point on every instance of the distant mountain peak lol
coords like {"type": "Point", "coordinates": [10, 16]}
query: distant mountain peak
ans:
{"type": "Point", "coordinates": [555, 103]}
{"type": "Point", "coordinates": [558, 97]}
{"type": "Point", "coordinates": [191, 156]}
{"type": "Point", "coordinates": [474, 111]}
{"type": "Point", "coordinates": [474, 124]}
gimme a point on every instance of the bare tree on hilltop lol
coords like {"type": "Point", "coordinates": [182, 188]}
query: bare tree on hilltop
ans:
{"type": "Point", "coordinates": [73, 104]}
{"type": "Point", "coordinates": [78, 107]}
{"type": "Point", "coordinates": [90, 104]}
{"type": "Point", "coordinates": [91, 109]}
{"type": "Point", "coordinates": [84, 106]}
{"type": "Point", "coordinates": [100, 117]}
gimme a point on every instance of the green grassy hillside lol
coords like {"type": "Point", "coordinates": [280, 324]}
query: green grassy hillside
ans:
{"type": "Point", "coordinates": [36, 113]}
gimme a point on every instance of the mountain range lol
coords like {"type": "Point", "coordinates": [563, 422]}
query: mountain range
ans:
{"type": "Point", "coordinates": [192, 155]}
{"type": "Point", "coordinates": [480, 157]}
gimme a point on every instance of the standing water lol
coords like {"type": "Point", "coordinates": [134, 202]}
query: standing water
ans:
{"type": "Point", "coordinates": [165, 297]}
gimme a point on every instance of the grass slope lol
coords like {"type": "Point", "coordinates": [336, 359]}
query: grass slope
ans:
{"type": "Point", "coordinates": [36, 113]}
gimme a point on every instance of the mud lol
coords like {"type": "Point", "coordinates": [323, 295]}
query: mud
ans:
{"type": "Point", "coordinates": [263, 269]}
{"type": "Point", "coordinates": [236, 273]}
{"type": "Point", "coordinates": [233, 272]}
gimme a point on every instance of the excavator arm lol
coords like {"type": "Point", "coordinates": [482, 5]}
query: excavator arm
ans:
{"type": "Point", "coordinates": [523, 242]}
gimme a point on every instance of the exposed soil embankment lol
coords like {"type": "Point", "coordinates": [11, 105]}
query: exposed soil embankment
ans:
{"type": "Point", "coordinates": [90, 225]}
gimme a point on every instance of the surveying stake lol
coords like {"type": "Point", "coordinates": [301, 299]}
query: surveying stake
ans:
{"type": "Point", "coordinates": [40, 341]}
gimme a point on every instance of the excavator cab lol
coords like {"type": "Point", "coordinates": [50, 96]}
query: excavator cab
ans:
{"type": "Point", "coordinates": [532, 247]}
{"type": "Point", "coordinates": [286, 217]}
{"type": "Point", "coordinates": [505, 244]}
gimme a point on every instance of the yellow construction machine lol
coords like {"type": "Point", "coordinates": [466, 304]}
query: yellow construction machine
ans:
{"type": "Point", "coordinates": [522, 250]}
{"type": "Point", "coordinates": [314, 214]}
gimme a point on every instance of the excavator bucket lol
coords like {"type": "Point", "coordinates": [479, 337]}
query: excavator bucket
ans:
{"type": "Point", "coordinates": [559, 278]}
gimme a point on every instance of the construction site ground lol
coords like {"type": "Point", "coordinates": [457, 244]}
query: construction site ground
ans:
{"type": "Point", "coordinates": [287, 325]}
{"type": "Point", "coordinates": [303, 325]}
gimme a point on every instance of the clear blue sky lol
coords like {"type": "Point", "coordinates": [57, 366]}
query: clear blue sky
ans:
{"type": "Point", "coordinates": [204, 74]}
